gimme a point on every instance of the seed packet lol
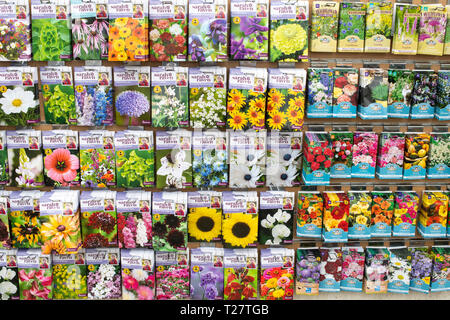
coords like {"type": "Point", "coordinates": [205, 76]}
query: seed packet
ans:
{"type": "Point", "coordinates": [208, 36]}
{"type": "Point", "coordinates": [424, 95]}
{"type": "Point", "coordinates": [4, 168]}
{"type": "Point", "coordinates": [325, 20]}
{"type": "Point", "coordinates": [352, 25]}
{"type": "Point", "coordinates": [172, 275]}
{"type": "Point", "coordinates": [51, 30]}
{"type": "Point", "coordinates": [442, 110]}
{"type": "Point", "coordinates": [284, 159]}
{"type": "Point", "coordinates": [9, 277]}
{"type": "Point", "coordinates": [168, 31]}
{"type": "Point", "coordinates": [25, 161]}
{"type": "Point", "coordinates": [309, 214]}
{"type": "Point", "coordinates": [438, 166]}
{"type": "Point", "coordinates": [382, 213]}
{"type": "Point", "coordinates": [35, 275]}
{"type": "Point", "coordinates": [352, 275]}
{"type": "Point", "coordinates": [132, 95]}
{"type": "Point", "coordinates": [249, 30]}
{"type": "Point", "coordinates": [365, 145]}
{"type": "Point", "coordinates": [399, 270]}
{"type": "Point", "coordinates": [98, 168]}
{"type": "Point", "coordinates": [19, 100]}
{"type": "Point", "coordinates": [90, 29]}
{"type": "Point", "coordinates": [138, 274]}
{"type": "Point", "coordinates": [128, 30]}
{"type": "Point", "coordinates": [335, 218]}
{"type": "Point", "coordinates": [421, 269]}
{"type": "Point", "coordinates": [417, 146]}
{"type": "Point", "coordinates": [447, 32]}
{"type": "Point", "coordinates": [406, 209]}
{"type": "Point", "coordinates": [373, 93]}
{"type": "Point", "coordinates": [135, 159]}
{"type": "Point", "coordinates": [173, 159]}
{"type": "Point", "coordinates": [207, 274]}
{"type": "Point", "coordinates": [286, 99]}
{"type": "Point", "coordinates": [240, 219]}
{"type": "Point", "coordinates": [103, 277]}
{"type": "Point", "coordinates": [440, 277]}
{"type": "Point", "coordinates": [277, 274]}
{"type": "Point", "coordinates": [433, 21]}
{"type": "Point", "coordinates": [342, 144]}
{"type": "Point", "coordinates": [246, 103]}
{"type": "Point", "coordinates": [307, 271]}
{"type": "Point", "coordinates": [169, 223]}
{"type": "Point", "coordinates": [317, 156]}
{"type": "Point", "coordinates": [99, 219]}
{"type": "Point", "coordinates": [241, 274]}
{"type": "Point", "coordinates": [320, 93]}
{"type": "Point", "coordinates": [94, 95]}
{"type": "Point", "coordinates": [276, 214]}
{"type": "Point", "coordinates": [378, 27]}
{"type": "Point", "coordinates": [405, 28]}
{"type": "Point", "coordinates": [247, 159]}
{"type": "Point", "coordinates": [205, 216]}
{"type": "Point", "coordinates": [5, 238]}
{"type": "Point", "coordinates": [376, 270]}
{"type": "Point", "coordinates": [390, 156]}
{"type": "Point", "coordinates": [289, 39]}
{"type": "Point", "coordinates": [433, 214]}
{"type": "Point", "coordinates": [360, 214]}
{"type": "Point", "coordinates": [69, 276]}
{"type": "Point", "coordinates": [330, 269]}
{"type": "Point", "coordinates": [24, 219]}
{"type": "Point", "coordinates": [345, 92]}
{"type": "Point", "coordinates": [209, 159]}
{"type": "Point", "coordinates": [134, 219]}
{"type": "Point", "coordinates": [401, 83]}
{"type": "Point", "coordinates": [208, 97]}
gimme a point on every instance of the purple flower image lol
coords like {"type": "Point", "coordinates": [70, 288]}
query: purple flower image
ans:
{"type": "Point", "coordinates": [132, 104]}
{"type": "Point", "coordinates": [207, 278]}
{"type": "Point", "coordinates": [249, 38]}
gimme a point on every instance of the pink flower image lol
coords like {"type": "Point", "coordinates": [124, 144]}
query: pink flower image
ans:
{"type": "Point", "coordinates": [62, 166]}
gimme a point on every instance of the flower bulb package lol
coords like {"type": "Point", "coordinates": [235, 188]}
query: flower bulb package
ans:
{"type": "Point", "coordinates": [352, 25]}
{"type": "Point", "coordinates": [277, 274]}
{"type": "Point", "coordinates": [345, 92]}
{"type": "Point", "coordinates": [134, 219]}
{"type": "Point", "coordinates": [24, 219]}
{"type": "Point", "coordinates": [103, 277]}
{"type": "Point", "coordinates": [98, 168]}
{"type": "Point", "coordinates": [376, 270]}
{"type": "Point", "coordinates": [405, 28]}
{"type": "Point", "coordinates": [390, 155]}
{"type": "Point", "coordinates": [401, 83]}
{"type": "Point", "coordinates": [352, 275]}
{"type": "Point", "coordinates": [170, 97]}
{"type": "Point", "coordinates": [324, 21]}
{"type": "Point", "coordinates": [138, 274]}
{"type": "Point", "coordinates": [69, 276]}
{"type": "Point", "coordinates": [9, 276]}
{"type": "Point", "coordinates": [19, 99]}
{"type": "Point", "coordinates": [168, 30]}
{"type": "Point", "coordinates": [360, 215]}
{"type": "Point", "coordinates": [208, 37]}
{"type": "Point", "coordinates": [438, 166]}
{"type": "Point", "coordinates": [61, 158]}
{"type": "Point", "coordinates": [417, 147]}
{"type": "Point", "coordinates": [330, 269]}
{"type": "Point", "coordinates": [284, 153]}
{"type": "Point", "coordinates": [365, 145]}
{"type": "Point", "coordinates": [335, 219]}
{"type": "Point", "coordinates": [208, 97]}
{"type": "Point", "coordinates": [378, 27]}
{"type": "Point", "coordinates": [317, 156]}
{"type": "Point", "coordinates": [421, 269]}
{"type": "Point", "coordinates": [205, 216]}
{"type": "Point", "coordinates": [240, 274]}
{"type": "Point", "coordinates": [307, 271]}
{"type": "Point", "coordinates": [169, 227]}
{"type": "Point", "coordinates": [286, 99]}
{"type": "Point", "coordinates": [5, 238]}
{"type": "Point", "coordinates": [25, 161]}
{"type": "Point", "coordinates": [433, 21]}
{"type": "Point", "coordinates": [442, 109]}
{"type": "Point", "coordinates": [249, 30]}
{"type": "Point", "coordinates": [289, 31]}
{"type": "Point", "coordinates": [320, 93]}
{"type": "Point", "coordinates": [406, 209]}
{"type": "Point", "coordinates": [276, 215]}
{"type": "Point", "coordinates": [135, 159]}
{"type": "Point", "coordinates": [132, 95]}
{"type": "Point", "coordinates": [94, 95]}
{"type": "Point", "coordinates": [99, 219]}
{"type": "Point", "coordinates": [342, 144]}
{"type": "Point", "coordinates": [4, 169]}
{"type": "Point", "coordinates": [440, 277]}
{"type": "Point", "coordinates": [433, 214]}
{"type": "Point", "coordinates": [309, 214]}
{"type": "Point", "coordinates": [424, 95]}
{"type": "Point", "coordinates": [172, 275]}
{"type": "Point", "coordinates": [35, 275]}
{"type": "Point", "coordinates": [373, 93]}
{"type": "Point", "coordinates": [399, 270]}
{"type": "Point", "coordinates": [207, 274]}
{"type": "Point", "coordinates": [382, 213]}
{"type": "Point", "coordinates": [173, 159]}
{"type": "Point", "coordinates": [240, 219]}
{"type": "Point", "coordinates": [51, 30]}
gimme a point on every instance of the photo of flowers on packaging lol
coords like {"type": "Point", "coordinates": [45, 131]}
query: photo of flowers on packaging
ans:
{"type": "Point", "coordinates": [433, 214]}
{"type": "Point", "coordinates": [439, 159]}
{"type": "Point", "coordinates": [441, 270]}
{"type": "Point", "coordinates": [16, 33]}
{"type": "Point", "coordinates": [341, 164]}
{"type": "Point", "coordinates": [399, 270]}
{"type": "Point", "coordinates": [401, 83]}
{"type": "Point", "coordinates": [345, 92]}
{"type": "Point", "coordinates": [376, 270]}
{"type": "Point", "coordinates": [138, 274]}
{"type": "Point", "coordinates": [421, 269]}
{"type": "Point", "coordinates": [69, 277]}
{"type": "Point", "coordinates": [352, 24]}
{"type": "Point", "coordinates": [373, 93]}
{"type": "Point", "coordinates": [24, 219]}
{"type": "Point", "coordinates": [207, 272]}
{"type": "Point", "coordinates": [335, 218]}
{"type": "Point", "coordinates": [382, 213]}
{"type": "Point", "coordinates": [277, 279]}
{"type": "Point", "coordinates": [104, 281]}
{"type": "Point", "coordinates": [378, 27]}
{"type": "Point", "coordinates": [360, 215]}
{"type": "Point", "coordinates": [320, 93]}
{"type": "Point", "coordinates": [275, 218]}
{"type": "Point", "coordinates": [443, 94]}
{"type": "Point", "coordinates": [240, 278]}
{"type": "Point", "coordinates": [352, 275]}
{"type": "Point", "coordinates": [365, 145]}
{"type": "Point", "coordinates": [324, 31]}
{"type": "Point", "coordinates": [424, 95]}
{"type": "Point", "coordinates": [405, 28]}
{"type": "Point", "coordinates": [205, 216]}
{"type": "Point", "coordinates": [309, 214]}
{"type": "Point", "coordinates": [317, 156]}
{"type": "Point", "coordinates": [4, 169]}
{"type": "Point", "coordinates": [172, 275]}
{"type": "Point", "coordinates": [9, 281]}
{"type": "Point", "coordinates": [35, 283]}
{"type": "Point", "coordinates": [406, 208]}
{"type": "Point", "coordinates": [307, 270]}
{"type": "Point", "coordinates": [169, 232]}
{"type": "Point", "coordinates": [5, 238]}
{"type": "Point", "coordinates": [330, 269]}
{"type": "Point", "coordinates": [390, 156]}
{"type": "Point", "coordinates": [417, 147]}
{"type": "Point", "coordinates": [433, 20]}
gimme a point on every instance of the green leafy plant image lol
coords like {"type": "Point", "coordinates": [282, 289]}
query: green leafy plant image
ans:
{"type": "Point", "coordinates": [69, 281]}
{"type": "Point", "coordinates": [135, 168]}
{"type": "Point", "coordinates": [352, 24]}
{"type": "Point", "coordinates": [59, 104]}
{"type": "Point", "coordinates": [51, 39]}
{"type": "Point", "coordinates": [406, 29]}
{"type": "Point", "coordinates": [400, 86]}
{"type": "Point", "coordinates": [378, 27]}
{"type": "Point", "coordinates": [170, 106]}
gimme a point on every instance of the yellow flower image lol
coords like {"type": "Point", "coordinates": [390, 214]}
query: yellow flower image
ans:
{"type": "Point", "coordinates": [237, 120]}
{"type": "Point", "coordinates": [59, 227]}
{"type": "Point", "coordinates": [354, 209]}
{"type": "Point", "coordinates": [271, 283]}
{"type": "Point", "coordinates": [120, 22]}
{"type": "Point", "coordinates": [294, 114]}
{"type": "Point", "coordinates": [276, 98]}
{"type": "Point", "coordinates": [259, 104]}
{"type": "Point", "coordinates": [361, 220]}
{"type": "Point", "coordinates": [240, 229]}
{"type": "Point", "coordinates": [277, 120]}
{"type": "Point", "coordinates": [278, 293]}
{"type": "Point", "coordinates": [122, 56]}
{"type": "Point", "coordinates": [253, 115]}
{"type": "Point", "coordinates": [53, 245]}
{"type": "Point", "coordinates": [124, 32]}
{"type": "Point", "coordinates": [289, 38]}
{"type": "Point", "coordinates": [298, 103]}
{"type": "Point", "coordinates": [119, 45]}
{"type": "Point", "coordinates": [204, 224]}
{"type": "Point", "coordinates": [235, 99]}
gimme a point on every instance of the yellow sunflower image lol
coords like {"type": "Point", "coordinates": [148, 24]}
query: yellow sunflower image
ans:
{"type": "Point", "coordinates": [25, 235]}
{"type": "Point", "coordinates": [240, 229]}
{"type": "Point", "coordinates": [259, 103]}
{"type": "Point", "coordinates": [61, 229]}
{"type": "Point", "coordinates": [277, 120]}
{"type": "Point", "coordinates": [276, 98]}
{"type": "Point", "coordinates": [237, 120]}
{"type": "Point", "coordinates": [294, 114]}
{"type": "Point", "coordinates": [253, 115]}
{"type": "Point", "coordinates": [54, 246]}
{"type": "Point", "coordinates": [293, 92]}
{"type": "Point", "coordinates": [271, 108]}
{"type": "Point", "coordinates": [235, 99]}
{"type": "Point", "coordinates": [298, 102]}
{"type": "Point", "coordinates": [204, 224]}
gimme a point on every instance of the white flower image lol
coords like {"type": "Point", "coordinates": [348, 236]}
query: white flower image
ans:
{"type": "Point", "coordinates": [243, 176]}
{"type": "Point", "coordinates": [17, 100]}
{"type": "Point", "coordinates": [281, 176]}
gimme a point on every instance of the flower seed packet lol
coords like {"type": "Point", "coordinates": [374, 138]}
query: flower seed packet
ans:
{"type": "Point", "coordinates": [373, 93]}
{"type": "Point", "coordinates": [309, 214]}
{"type": "Point", "coordinates": [208, 37]}
{"type": "Point", "coordinates": [172, 275]}
{"type": "Point", "coordinates": [24, 219]}
{"type": "Point", "coordinates": [442, 110]}
{"type": "Point", "coordinates": [417, 148]}
{"type": "Point", "coordinates": [320, 93]}
{"type": "Point", "coordinates": [289, 39]}
{"type": "Point", "coordinates": [335, 219]}
{"type": "Point", "coordinates": [4, 169]}
{"type": "Point", "coordinates": [365, 145]}
{"type": "Point", "coordinates": [376, 270]}
{"type": "Point", "coordinates": [277, 274]}
{"type": "Point", "coordinates": [406, 210]}
{"type": "Point", "coordinates": [35, 275]}
{"type": "Point", "coordinates": [205, 216]}
{"type": "Point", "coordinates": [51, 30]}
{"type": "Point", "coordinates": [241, 274]}
{"type": "Point", "coordinates": [134, 219]}
{"type": "Point", "coordinates": [438, 166]}
{"type": "Point", "coordinates": [352, 25]}
{"type": "Point", "coordinates": [5, 238]}
{"type": "Point", "coordinates": [208, 97]}
{"type": "Point", "coordinates": [99, 219]}
{"type": "Point", "coordinates": [98, 168]}
{"type": "Point", "coordinates": [69, 276]}
{"type": "Point", "coordinates": [325, 21]}
{"type": "Point", "coordinates": [330, 269]}
{"type": "Point", "coordinates": [433, 214]}
{"type": "Point", "coordinates": [132, 95]}
{"type": "Point", "coordinates": [405, 28]}
{"type": "Point", "coordinates": [317, 156]}
{"type": "Point", "coordinates": [249, 30]}
{"type": "Point", "coordinates": [382, 213]}
{"type": "Point", "coordinates": [433, 21]}
{"type": "Point", "coordinates": [19, 99]}
{"type": "Point", "coordinates": [345, 92]}
{"type": "Point", "coordinates": [207, 274]}
{"type": "Point", "coordinates": [168, 30]}
{"type": "Point", "coordinates": [103, 276]}
{"type": "Point", "coordinates": [378, 27]}
{"type": "Point", "coordinates": [447, 32]}
{"type": "Point", "coordinates": [307, 271]}
{"type": "Point", "coordinates": [399, 270]}
{"type": "Point", "coordinates": [341, 164]}
{"type": "Point", "coordinates": [424, 95]}
{"type": "Point", "coordinates": [94, 95]}
{"type": "Point", "coordinates": [25, 161]}
{"type": "Point", "coordinates": [135, 159]}
{"type": "Point", "coordinates": [360, 214]}
{"type": "Point", "coordinates": [421, 269]}
{"type": "Point", "coordinates": [9, 277]}
{"type": "Point", "coordinates": [173, 159]}
{"type": "Point", "coordinates": [138, 274]}
{"type": "Point", "coordinates": [440, 275]}
{"type": "Point", "coordinates": [390, 155]}
{"type": "Point", "coordinates": [401, 83]}
{"type": "Point", "coordinates": [352, 275]}
{"type": "Point", "coordinates": [170, 231]}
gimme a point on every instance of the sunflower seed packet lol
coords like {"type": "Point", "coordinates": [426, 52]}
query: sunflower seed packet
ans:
{"type": "Point", "coordinates": [352, 269]}
{"type": "Point", "coordinates": [439, 277]}
{"type": "Point", "coordinates": [364, 153]}
{"type": "Point", "coordinates": [405, 28]}
{"type": "Point", "coordinates": [307, 271]}
{"type": "Point", "coordinates": [399, 270]}
{"type": "Point", "coordinates": [382, 213]}
{"type": "Point", "coordinates": [205, 216]}
{"type": "Point", "coordinates": [10, 276]}
{"type": "Point", "coordinates": [390, 155]}
{"type": "Point", "coordinates": [360, 213]}
{"type": "Point", "coordinates": [138, 274]}
{"type": "Point", "coordinates": [345, 92]}
{"type": "Point", "coordinates": [442, 110]}
{"type": "Point", "coordinates": [406, 209]}
{"type": "Point", "coordinates": [4, 169]}
{"type": "Point", "coordinates": [320, 93]}
{"type": "Point", "coordinates": [352, 25]}
{"type": "Point", "coordinates": [401, 83]}
{"type": "Point", "coordinates": [325, 22]}
{"type": "Point", "coordinates": [433, 214]}
{"type": "Point", "coordinates": [5, 238]}
{"type": "Point", "coordinates": [240, 274]}
{"type": "Point", "coordinates": [417, 149]}
{"type": "Point", "coordinates": [424, 95]}
{"type": "Point", "coordinates": [309, 214]}
{"type": "Point", "coordinates": [277, 274]}
{"type": "Point", "coordinates": [376, 270]}
{"type": "Point", "coordinates": [335, 218]}
{"type": "Point", "coordinates": [317, 156]}
{"type": "Point", "coordinates": [207, 274]}
{"type": "Point", "coordinates": [433, 20]}
{"type": "Point", "coordinates": [373, 93]}
{"type": "Point", "coordinates": [330, 269]}
{"type": "Point", "coordinates": [341, 164]}
{"type": "Point", "coordinates": [378, 27]}
{"type": "Point", "coordinates": [172, 275]}
{"type": "Point", "coordinates": [103, 276]}
{"type": "Point", "coordinates": [421, 269]}
{"type": "Point", "coordinates": [24, 219]}
{"type": "Point", "coordinates": [438, 166]}
{"type": "Point", "coordinates": [69, 276]}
